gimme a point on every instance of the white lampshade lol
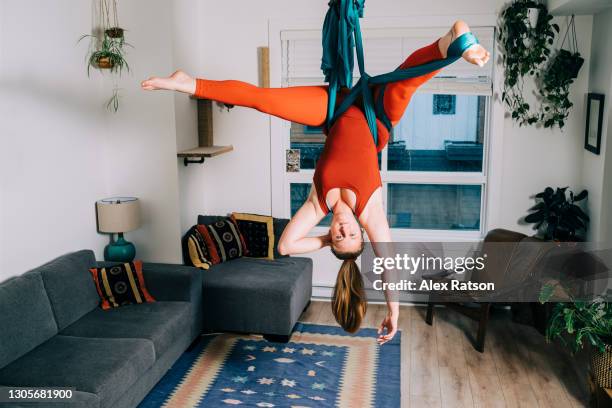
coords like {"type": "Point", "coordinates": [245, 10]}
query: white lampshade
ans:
{"type": "Point", "coordinates": [118, 214]}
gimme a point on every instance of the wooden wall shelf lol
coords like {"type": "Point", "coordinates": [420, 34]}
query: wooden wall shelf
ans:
{"type": "Point", "coordinates": [202, 153]}
{"type": "Point", "coordinates": [206, 147]}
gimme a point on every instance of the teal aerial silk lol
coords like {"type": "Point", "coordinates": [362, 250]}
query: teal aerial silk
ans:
{"type": "Point", "coordinates": [342, 34]}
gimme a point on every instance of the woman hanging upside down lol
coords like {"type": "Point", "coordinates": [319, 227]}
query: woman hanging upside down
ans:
{"type": "Point", "coordinates": [346, 179]}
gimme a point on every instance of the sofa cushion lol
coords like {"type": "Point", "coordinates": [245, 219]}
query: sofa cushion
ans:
{"type": "Point", "coordinates": [258, 234]}
{"type": "Point", "coordinates": [195, 251]}
{"type": "Point", "coordinates": [121, 284]}
{"type": "Point", "coordinates": [279, 226]}
{"type": "Point", "coordinates": [26, 318]}
{"type": "Point", "coordinates": [70, 287]}
{"type": "Point", "coordinates": [106, 367]}
{"type": "Point", "coordinates": [223, 240]}
{"type": "Point", "coordinates": [256, 295]}
{"type": "Point", "coordinates": [160, 322]}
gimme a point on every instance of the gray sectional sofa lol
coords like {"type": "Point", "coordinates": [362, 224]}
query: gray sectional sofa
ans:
{"type": "Point", "coordinates": [55, 335]}
{"type": "Point", "coordinates": [251, 295]}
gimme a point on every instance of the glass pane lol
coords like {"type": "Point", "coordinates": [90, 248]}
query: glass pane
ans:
{"type": "Point", "coordinates": [439, 133]}
{"type": "Point", "coordinates": [309, 141]}
{"type": "Point", "coordinates": [434, 206]}
{"type": "Point", "coordinates": [299, 194]}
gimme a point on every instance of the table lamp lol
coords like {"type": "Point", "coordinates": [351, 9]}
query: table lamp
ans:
{"type": "Point", "coordinates": [117, 215]}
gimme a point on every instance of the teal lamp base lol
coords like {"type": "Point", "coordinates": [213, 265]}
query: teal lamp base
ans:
{"type": "Point", "coordinates": [120, 250]}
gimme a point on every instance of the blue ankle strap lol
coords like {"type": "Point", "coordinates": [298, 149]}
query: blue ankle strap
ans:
{"type": "Point", "coordinates": [461, 43]}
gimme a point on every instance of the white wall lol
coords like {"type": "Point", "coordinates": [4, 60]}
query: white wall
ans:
{"type": "Point", "coordinates": [240, 181]}
{"type": "Point", "coordinates": [534, 158]}
{"type": "Point", "coordinates": [187, 55]}
{"type": "Point", "coordinates": [142, 134]}
{"type": "Point", "coordinates": [598, 169]}
{"type": "Point", "coordinates": [52, 135]}
{"type": "Point", "coordinates": [60, 150]}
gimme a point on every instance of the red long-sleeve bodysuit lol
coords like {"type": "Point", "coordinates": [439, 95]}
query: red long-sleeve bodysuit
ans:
{"type": "Point", "coordinates": [349, 158]}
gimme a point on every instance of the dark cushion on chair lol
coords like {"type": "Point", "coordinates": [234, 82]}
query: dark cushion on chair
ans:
{"type": "Point", "coordinates": [70, 287]}
{"type": "Point", "coordinates": [106, 367]}
{"type": "Point", "coordinates": [256, 295]}
{"type": "Point", "coordinates": [160, 322]}
{"type": "Point", "coordinates": [26, 318]}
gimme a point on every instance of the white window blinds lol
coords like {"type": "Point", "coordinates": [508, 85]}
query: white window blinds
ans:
{"type": "Point", "coordinates": [385, 50]}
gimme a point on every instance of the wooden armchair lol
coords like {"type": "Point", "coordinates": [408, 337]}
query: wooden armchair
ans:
{"type": "Point", "coordinates": [496, 271]}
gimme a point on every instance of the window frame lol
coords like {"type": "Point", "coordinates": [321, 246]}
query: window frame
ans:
{"type": "Point", "coordinates": [282, 180]}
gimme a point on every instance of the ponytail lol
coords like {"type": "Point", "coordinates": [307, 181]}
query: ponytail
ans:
{"type": "Point", "coordinates": [349, 302]}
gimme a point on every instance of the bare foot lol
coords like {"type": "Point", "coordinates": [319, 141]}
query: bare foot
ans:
{"type": "Point", "coordinates": [476, 54]}
{"type": "Point", "coordinates": [179, 81]}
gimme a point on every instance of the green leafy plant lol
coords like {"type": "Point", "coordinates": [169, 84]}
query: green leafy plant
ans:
{"type": "Point", "coordinates": [524, 49]}
{"type": "Point", "coordinates": [110, 54]}
{"type": "Point", "coordinates": [559, 75]}
{"type": "Point", "coordinates": [113, 102]}
{"type": "Point", "coordinates": [107, 48]}
{"type": "Point", "coordinates": [557, 216]}
{"type": "Point", "coordinates": [582, 320]}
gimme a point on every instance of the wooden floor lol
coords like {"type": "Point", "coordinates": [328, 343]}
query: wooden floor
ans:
{"type": "Point", "coordinates": [440, 368]}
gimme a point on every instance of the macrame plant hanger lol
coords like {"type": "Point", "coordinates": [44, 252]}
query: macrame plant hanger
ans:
{"type": "Point", "coordinates": [573, 39]}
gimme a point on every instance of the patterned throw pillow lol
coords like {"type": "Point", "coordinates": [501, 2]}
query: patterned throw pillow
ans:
{"type": "Point", "coordinates": [223, 240]}
{"type": "Point", "coordinates": [258, 233]}
{"type": "Point", "coordinates": [121, 285]}
{"type": "Point", "coordinates": [195, 251]}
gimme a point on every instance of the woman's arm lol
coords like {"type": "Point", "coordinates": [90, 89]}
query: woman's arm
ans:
{"type": "Point", "coordinates": [374, 221]}
{"type": "Point", "coordinates": [294, 239]}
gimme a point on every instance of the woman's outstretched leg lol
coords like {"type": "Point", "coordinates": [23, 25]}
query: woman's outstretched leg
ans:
{"type": "Point", "coordinates": [398, 94]}
{"type": "Point", "coordinates": [301, 104]}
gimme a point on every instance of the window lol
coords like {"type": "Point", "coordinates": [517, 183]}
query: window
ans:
{"type": "Point", "coordinates": [434, 206]}
{"type": "Point", "coordinates": [434, 166]}
{"type": "Point", "coordinates": [423, 141]}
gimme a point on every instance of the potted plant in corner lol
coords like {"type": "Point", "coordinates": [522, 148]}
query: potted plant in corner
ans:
{"type": "Point", "coordinates": [557, 217]}
{"type": "Point", "coordinates": [583, 322]}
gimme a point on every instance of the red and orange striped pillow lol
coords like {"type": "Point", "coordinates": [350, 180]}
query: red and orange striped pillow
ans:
{"type": "Point", "coordinates": [120, 285]}
{"type": "Point", "coordinates": [223, 240]}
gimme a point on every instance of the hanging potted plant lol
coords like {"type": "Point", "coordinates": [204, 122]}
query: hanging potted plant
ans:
{"type": "Point", "coordinates": [557, 217]}
{"type": "Point", "coordinates": [114, 32]}
{"type": "Point", "coordinates": [525, 34]}
{"type": "Point", "coordinates": [559, 75]}
{"type": "Point", "coordinates": [107, 51]}
{"type": "Point", "coordinates": [110, 55]}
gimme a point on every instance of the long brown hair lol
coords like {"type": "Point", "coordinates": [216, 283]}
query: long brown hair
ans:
{"type": "Point", "coordinates": [349, 303]}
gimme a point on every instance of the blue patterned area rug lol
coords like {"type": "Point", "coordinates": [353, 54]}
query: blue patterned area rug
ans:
{"type": "Point", "coordinates": [322, 366]}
